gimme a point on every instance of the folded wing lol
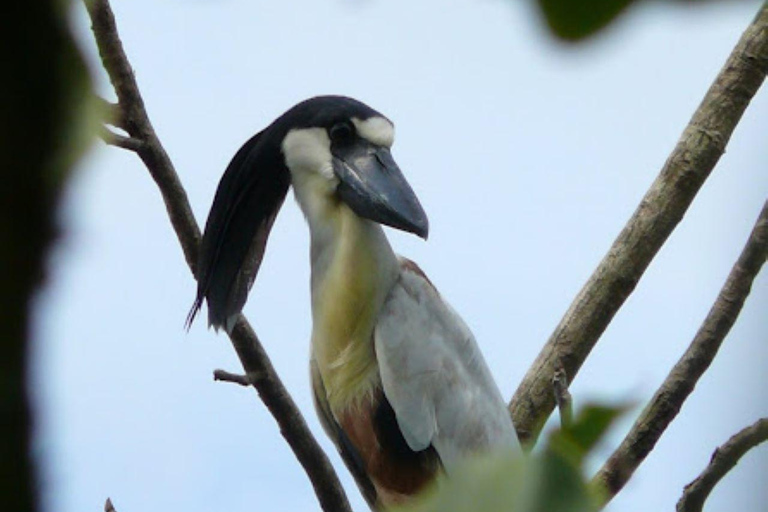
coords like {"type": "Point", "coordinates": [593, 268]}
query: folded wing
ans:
{"type": "Point", "coordinates": [434, 375]}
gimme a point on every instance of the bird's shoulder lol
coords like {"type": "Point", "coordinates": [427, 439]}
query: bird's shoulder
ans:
{"type": "Point", "coordinates": [415, 313]}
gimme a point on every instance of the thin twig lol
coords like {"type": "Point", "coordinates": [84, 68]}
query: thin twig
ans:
{"type": "Point", "coordinates": [669, 398]}
{"type": "Point", "coordinates": [120, 141]}
{"type": "Point", "coordinates": [247, 345]}
{"type": "Point", "coordinates": [235, 378]}
{"type": "Point", "coordinates": [723, 460]}
{"type": "Point", "coordinates": [111, 112]}
{"type": "Point", "coordinates": [662, 208]}
{"type": "Point", "coordinates": [562, 396]}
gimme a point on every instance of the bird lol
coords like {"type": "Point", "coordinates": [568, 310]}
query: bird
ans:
{"type": "Point", "coordinates": [398, 381]}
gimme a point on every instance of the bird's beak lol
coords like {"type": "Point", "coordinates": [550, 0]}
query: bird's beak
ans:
{"type": "Point", "coordinates": [372, 185]}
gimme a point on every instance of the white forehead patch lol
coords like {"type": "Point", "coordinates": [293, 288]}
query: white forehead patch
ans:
{"type": "Point", "coordinates": [308, 150]}
{"type": "Point", "coordinates": [376, 130]}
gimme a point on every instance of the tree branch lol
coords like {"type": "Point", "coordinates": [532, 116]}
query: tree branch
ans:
{"type": "Point", "coordinates": [698, 150]}
{"type": "Point", "coordinates": [234, 378]}
{"type": "Point", "coordinates": [120, 141]}
{"type": "Point", "coordinates": [255, 361]}
{"type": "Point", "coordinates": [669, 398]}
{"type": "Point", "coordinates": [133, 119]}
{"type": "Point", "coordinates": [723, 460]}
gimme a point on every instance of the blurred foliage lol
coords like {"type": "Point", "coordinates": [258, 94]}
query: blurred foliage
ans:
{"type": "Point", "coordinates": [577, 440]}
{"type": "Point", "coordinates": [575, 20]}
{"type": "Point", "coordinates": [551, 480]}
{"type": "Point", "coordinates": [45, 89]}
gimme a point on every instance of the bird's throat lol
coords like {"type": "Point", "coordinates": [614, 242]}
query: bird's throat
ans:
{"type": "Point", "coordinates": [353, 270]}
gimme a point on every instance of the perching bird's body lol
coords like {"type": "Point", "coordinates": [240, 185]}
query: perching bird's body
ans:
{"type": "Point", "coordinates": [398, 381]}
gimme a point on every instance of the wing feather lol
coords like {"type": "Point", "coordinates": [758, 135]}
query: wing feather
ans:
{"type": "Point", "coordinates": [247, 200]}
{"type": "Point", "coordinates": [434, 375]}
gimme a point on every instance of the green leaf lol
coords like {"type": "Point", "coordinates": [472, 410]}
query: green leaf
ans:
{"type": "Point", "coordinates": [574, 20]}
{"type": "Point", "coordinates": [509, 483]}
{"type": "Point", "coordinates": [587, 429]}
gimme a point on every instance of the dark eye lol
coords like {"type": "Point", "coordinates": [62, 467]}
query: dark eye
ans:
{"type": "Point", "coordinates": [342, 132]}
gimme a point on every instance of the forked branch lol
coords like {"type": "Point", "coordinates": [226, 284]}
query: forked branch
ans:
{"type": "Point", "coordinates": [133, 118]}
{"type": "Point", "coordinates": [662, 208]}
{"type": "Point", "coordinates": [723, 460]}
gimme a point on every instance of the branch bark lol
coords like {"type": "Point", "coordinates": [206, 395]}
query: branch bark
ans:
{"type": "Point", "coordinates": [723, 460]}
{"type": "Point", "coordinates": [134, 119]}
{"type": "Point", "coordinates": [664, 205]}
{"type": "Point", "coordinates": [669, 398]}
{"type": "Point", "coordinates": [234, 378]}
{"type": "Point", "coordinates": [120, 141]}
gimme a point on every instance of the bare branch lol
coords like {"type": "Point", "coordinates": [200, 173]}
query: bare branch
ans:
{"type": "Point", "coordinates": [723, 460]}
{"type": "Point", "coordinates": [135, 121]}
{"type": "Point", "coordinates": [255, 361]}
{"type": "Point", "coordinates": [669, 398]}
{"type": "Point", "coordinates": [120, 141]}
{"type": "Point", "coordinates": [108, 506]}
{"type": "Point", "coordinates": [662, 208]}
{"type": "Point", "coordinates": [234, 378]}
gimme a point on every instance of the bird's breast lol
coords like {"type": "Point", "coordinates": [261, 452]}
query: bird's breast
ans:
{"type": "Point", "coordinates": [353, 271]}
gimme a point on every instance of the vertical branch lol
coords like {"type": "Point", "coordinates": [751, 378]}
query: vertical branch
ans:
{"type": "Point", "coordinates": [669, 398]}
{"type": "Point", "coordinates": [659, 212]}
{"type": "Point", "coordinates": [562, 397]}
{"type": "Point", "coordinates": [143, 140]}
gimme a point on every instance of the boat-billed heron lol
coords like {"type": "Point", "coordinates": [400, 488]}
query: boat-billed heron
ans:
{"type": "Point", "coordinates": [399, 382]}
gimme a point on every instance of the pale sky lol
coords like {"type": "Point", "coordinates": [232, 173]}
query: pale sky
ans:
{"type": "Point", "coordinates": [528, 157]}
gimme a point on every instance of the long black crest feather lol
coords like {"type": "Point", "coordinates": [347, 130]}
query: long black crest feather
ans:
{"type": "Point", "coordinates": [247, 200]}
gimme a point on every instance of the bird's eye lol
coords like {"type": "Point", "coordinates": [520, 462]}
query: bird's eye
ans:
{"type": "Point", "coordinates": [342, 132]}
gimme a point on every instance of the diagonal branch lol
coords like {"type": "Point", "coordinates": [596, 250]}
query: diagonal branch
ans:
{"type": "Point", "coordinates": [134, 120]}
{"type": "Point", "coordinates": [254, 359]}
{"type": "Point", "coordinates": [662, 208]}
{"type": "Point", "coordinates": [723, 460]}
{"type": "Point", "coordinates": [669, 398]}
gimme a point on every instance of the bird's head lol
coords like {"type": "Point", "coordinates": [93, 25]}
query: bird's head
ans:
{"type": "Point", "coordinates": [332, 149]}
{"type": "Point", "coordinates": [339, 147]}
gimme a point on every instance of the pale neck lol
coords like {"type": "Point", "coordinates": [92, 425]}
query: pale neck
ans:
{"type": "Point", "coordinates": [353, 271]}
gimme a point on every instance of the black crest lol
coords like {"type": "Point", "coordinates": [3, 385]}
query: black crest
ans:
{"type": "Point", "coordinates": [247, 201]}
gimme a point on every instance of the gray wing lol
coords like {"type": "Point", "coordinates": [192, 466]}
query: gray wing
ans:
{"type": "Point", "coordinates": [434, 375]}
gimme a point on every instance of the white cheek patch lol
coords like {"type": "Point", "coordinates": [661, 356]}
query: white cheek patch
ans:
{"type": "Point", "coordinates": [308, 150]}
{"type": "Point", "coordinates": [376, 130]}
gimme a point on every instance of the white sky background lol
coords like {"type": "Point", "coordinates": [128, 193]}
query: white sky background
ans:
{"type": "Point", "coordinates": [528, 157]}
